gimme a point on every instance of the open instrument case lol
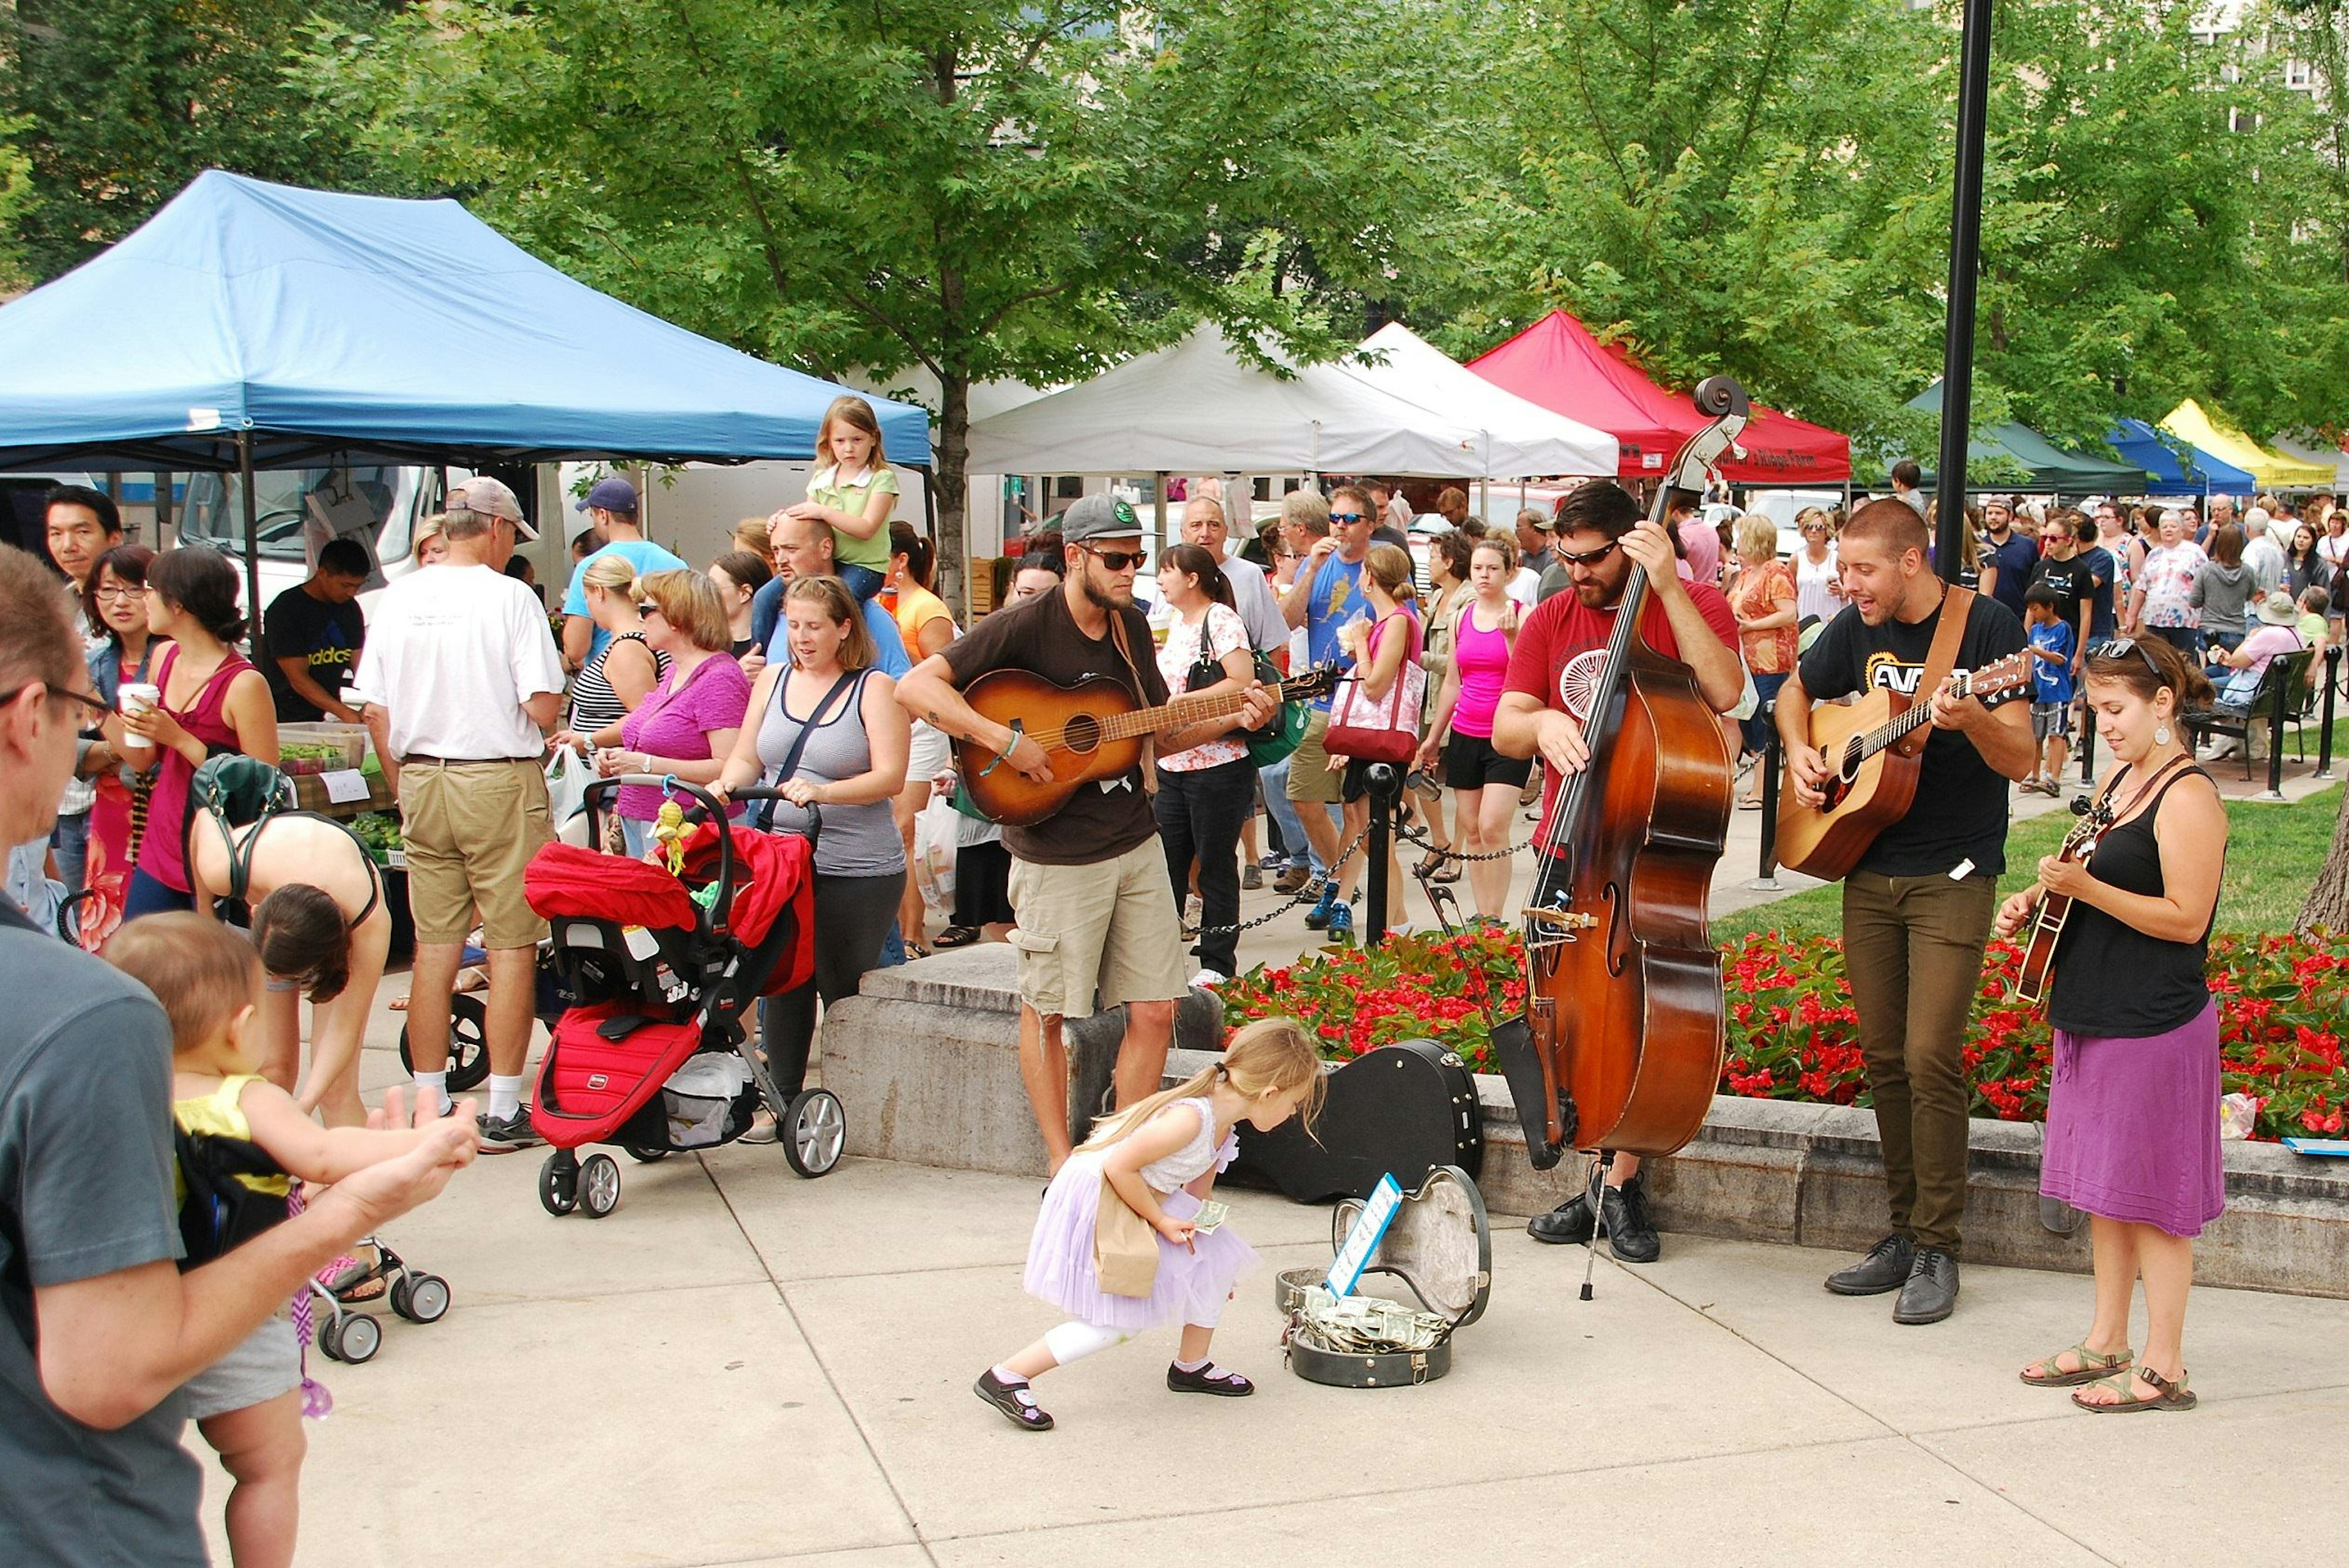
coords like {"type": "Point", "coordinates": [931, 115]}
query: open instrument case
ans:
{"type": "Point", "coordinates": [1439, 1245]}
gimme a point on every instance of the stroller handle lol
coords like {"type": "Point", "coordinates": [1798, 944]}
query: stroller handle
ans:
{"type": "Point", "coordinates": [704, 802]}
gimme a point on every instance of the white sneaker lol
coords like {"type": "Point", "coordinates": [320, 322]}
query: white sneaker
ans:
{"type": "Point", "coordinates": [1207, 980]}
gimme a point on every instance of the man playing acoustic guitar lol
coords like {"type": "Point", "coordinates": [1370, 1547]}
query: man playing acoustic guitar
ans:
{"type": "Point", "coordinates": [1088, 882]}
{"type": "Point", "coordinates": [1917, 909]}
{"type": "Point", "coordinates": [1601, 534]}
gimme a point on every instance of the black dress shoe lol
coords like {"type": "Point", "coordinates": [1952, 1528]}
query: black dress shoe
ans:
{"type": "Point", "coordinates": [1623, 1221]}
{"type": "Point", "coordinates": [1227, 1384]}
{"type": "Point", "coordinates": [1025, 1414]}
{"type": "Point", "coordinates": [1568, 1225]}
{"type": "Point", "coordinates": [1886, 1268]}
{"type": "Point", "coordinates": [1931, 1293]}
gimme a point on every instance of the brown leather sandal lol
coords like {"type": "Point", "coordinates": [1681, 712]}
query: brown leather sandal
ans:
{"type": "Point", "coordinates": [2168, 1395]}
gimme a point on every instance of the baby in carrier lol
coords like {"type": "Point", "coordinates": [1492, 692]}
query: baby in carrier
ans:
{"type": "Point", "coordinates": [240, 1141]}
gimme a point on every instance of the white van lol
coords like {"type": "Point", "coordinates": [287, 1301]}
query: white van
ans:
{"type": "Point", "coordinates": [299, 509]}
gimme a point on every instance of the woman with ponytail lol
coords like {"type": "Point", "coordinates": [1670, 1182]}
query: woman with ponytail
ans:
{"type": "Point", "coordinates": [213, 703]}
{"type": "Point", "coordinates": [1205, 795]}
{"type": "Point", "coordinates": [1158, 1158]}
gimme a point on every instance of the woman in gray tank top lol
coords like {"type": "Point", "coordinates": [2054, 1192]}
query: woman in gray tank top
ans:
{"type": "Point", "coordinates": [824, 727]}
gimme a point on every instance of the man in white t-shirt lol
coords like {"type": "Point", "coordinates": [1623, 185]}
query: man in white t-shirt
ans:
{"type": "Point", "coordinates": [1204, 524]}
{"type": "Point", "coordinates": [459, 681]}
{"type": "Point", "coordinates": [2261, 554]}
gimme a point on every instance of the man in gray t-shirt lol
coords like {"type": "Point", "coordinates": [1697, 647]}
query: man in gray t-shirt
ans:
{"type": "Point", "coordinates": [100, 1326]}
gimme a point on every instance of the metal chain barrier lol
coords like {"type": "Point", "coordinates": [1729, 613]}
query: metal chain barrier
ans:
{"type": "Point", "coordinates": [1305, 895]}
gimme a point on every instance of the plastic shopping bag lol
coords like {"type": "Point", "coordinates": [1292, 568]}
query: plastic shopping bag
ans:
{"type": "Point", "coordinates": [567, 777]}
{"type": "Point", "coordinates": [937, 832]}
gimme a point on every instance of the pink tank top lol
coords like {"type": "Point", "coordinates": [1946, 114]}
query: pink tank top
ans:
{"type": "Point", "coordinates": [162, 851]}
{"type": "Point", "coordinates": [1483, 660]}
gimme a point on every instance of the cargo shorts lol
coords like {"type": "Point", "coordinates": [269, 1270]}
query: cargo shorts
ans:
{"type": "Point", "coordinates": [470, 829]}
{"type": "Point", "coordinates": [1110, 927]}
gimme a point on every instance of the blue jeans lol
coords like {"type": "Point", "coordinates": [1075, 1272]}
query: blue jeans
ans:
{"type": "Point", "coordinates": [863, 581]}
{"type": "Point", "coordinates": [71, 839]}
{"type": "Point", "coordinates": [1284, 813]}
{"type": "Point", "coordinates": [146, 896]}
{"type": "Point", "coordinates": [1758, 728]}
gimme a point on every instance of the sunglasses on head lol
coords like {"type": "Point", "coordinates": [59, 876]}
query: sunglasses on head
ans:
{"type": "Point", "coordinates": [2121, 648]}
{"type": "Point", "coordinates": [1117, 560]}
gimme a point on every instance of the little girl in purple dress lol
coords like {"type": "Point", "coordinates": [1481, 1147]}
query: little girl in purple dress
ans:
{"type": "Point", "coordinates": [1161, 1159]}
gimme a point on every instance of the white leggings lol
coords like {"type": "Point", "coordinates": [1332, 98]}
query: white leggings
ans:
{"type": "Point", "coordinates": [1075, 1339]}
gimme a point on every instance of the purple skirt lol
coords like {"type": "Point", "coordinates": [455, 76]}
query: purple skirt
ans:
{"type": "Point", "coordinates": [1193, 1282]}
{"type": "Point", "coordinates": [2132, 1127]}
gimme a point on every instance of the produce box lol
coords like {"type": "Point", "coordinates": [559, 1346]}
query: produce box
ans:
{"type": "Point", "coordinates": [320, 748]}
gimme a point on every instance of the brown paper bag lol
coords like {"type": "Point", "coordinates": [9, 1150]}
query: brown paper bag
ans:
{"type": "Point", "coordinates": [1125, 1249]}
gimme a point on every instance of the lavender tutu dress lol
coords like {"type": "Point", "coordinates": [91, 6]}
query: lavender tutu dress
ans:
{"type": "Point", "coordinates": [1192, 1282]}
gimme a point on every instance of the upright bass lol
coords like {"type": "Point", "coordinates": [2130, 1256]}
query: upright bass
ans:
{"type": "Point", "coordinates": [1620, 1043]}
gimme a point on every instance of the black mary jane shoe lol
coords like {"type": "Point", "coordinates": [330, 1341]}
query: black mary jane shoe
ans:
{"type": "Point", "coordinates": [1228, 1385]}
{"type": "Point", "coordinates": [1026, 1415]}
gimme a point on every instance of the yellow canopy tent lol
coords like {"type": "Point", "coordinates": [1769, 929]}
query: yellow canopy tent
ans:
{"type": "Point", "coordinates": [2273, 469]}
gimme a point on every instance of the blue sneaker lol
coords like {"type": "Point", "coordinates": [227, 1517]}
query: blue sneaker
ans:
{"type": "Point", "coordinates": [1342, 924]}
{"type": "Point", "coordinates": [1327, 909]}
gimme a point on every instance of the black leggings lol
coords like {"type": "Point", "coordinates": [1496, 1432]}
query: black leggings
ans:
{"type": "Point", "coordinates": [1200, 814]}
{"type": "Point", "coordinates": [852, 916]}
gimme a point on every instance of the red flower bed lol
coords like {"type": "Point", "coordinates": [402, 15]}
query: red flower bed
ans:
{"type": "Point", "coordinates": [2283, 1012]}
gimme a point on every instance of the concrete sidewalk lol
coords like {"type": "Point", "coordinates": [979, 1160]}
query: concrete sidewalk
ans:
{"type": "Point", "coordinates": [740, 1366]}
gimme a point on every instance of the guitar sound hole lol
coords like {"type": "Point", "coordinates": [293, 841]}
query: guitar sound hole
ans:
{"type": "Point", "coordinates": [1852, 757]}
{"type": "Point", "coordinates": [1081, 734]}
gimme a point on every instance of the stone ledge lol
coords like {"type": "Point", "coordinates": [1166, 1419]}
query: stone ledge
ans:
{"type": "Point", "coordinates": [927, 1063]}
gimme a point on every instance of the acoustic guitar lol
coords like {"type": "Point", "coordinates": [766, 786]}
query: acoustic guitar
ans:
{"type": "Point", "coordinates": [1089, 730]}
{"type": "Point", "coordinates": [1873, 778]}
{"type": "Point", "coordinates": [2047, 920]}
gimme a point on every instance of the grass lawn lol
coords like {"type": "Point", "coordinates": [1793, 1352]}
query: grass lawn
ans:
{"type": "Point", "coordinates": [2274, 854]}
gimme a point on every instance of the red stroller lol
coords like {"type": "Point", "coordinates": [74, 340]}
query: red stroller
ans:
{"type": "Point", "coordinates": [654, 1057]}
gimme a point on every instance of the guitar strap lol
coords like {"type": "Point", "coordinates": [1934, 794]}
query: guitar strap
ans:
{"type": "Point", "coordinates": [1117, 634]}
{"type": "Point", "coordinates": [1940, 661]}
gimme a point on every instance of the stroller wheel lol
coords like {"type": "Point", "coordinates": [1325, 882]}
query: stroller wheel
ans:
{"type": "Point", "coordinates": [420, 1298]}
{"type": "Point", "coordinates": [644, 1156]}
{"type": "Point", "coordinates": [599, 1185]}
{"type": "Point", "coordinates": [814, 1131]}
{"type": "Point", "coordinates": [357, 1338]}
{"type": "Point", "coordinates": [469, 1043]}
{"type": "Point", "coordinates": [558, 1183]}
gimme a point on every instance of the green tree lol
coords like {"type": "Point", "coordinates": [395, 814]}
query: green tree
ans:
{"type": "Point", "coordinates": [14, 184]}
{"type": "Point", "coordinates": [982, 188]}
{"type": "Point", "coordinates": [124, 101]}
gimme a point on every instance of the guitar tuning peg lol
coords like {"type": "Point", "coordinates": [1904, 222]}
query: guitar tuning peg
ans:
{"type": "Point", "coordinates": [2081, 806]}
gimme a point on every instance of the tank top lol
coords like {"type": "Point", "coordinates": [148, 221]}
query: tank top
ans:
{"type": "Point", "coordinates": [1195, 1158]}
{"type": "Point", "coordinates": [1482, 659]}
{"type": "Point", "coordinates": [162, 849]}
{"type": "Point", "coordinates": [852, 840]}
{"type": "Point", "coordinates": [594, 704]}
{"type": "Point", "coordinates": [2112, 981]}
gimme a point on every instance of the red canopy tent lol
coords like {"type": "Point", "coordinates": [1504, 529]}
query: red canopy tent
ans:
{"type": "Point", "coordinates": [1556, 363]}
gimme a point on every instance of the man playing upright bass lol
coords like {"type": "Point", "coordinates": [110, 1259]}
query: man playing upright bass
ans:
{"type": "Point", "coordinates": [1602, 536]}
{"type": "Point", "coordinates": [1917, 909]}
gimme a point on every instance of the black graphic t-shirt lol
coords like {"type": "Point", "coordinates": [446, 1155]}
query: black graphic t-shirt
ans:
{"type": "Point", "coordinates": [2073, 579]}
{"type": "Point", "coordinates": [326, 638]}
{"type": "Point", "coordinates": [1960, 810]}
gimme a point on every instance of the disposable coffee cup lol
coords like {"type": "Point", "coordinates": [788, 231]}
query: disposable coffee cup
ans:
{"type": "Point", "coordinates": [135, 698]}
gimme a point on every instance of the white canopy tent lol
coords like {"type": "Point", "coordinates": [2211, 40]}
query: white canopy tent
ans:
{"type": "Point", "coordinates": [1522, 439]}
{"type": "Point", "coordinates": [2312, 448]}
{"type": "Point", "coordinates": [1199, 408]}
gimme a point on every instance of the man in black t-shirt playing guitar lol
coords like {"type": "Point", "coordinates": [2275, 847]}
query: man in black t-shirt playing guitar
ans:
{"type": "Point", "coordinates": [1089, 881]}
{"type": "Point", "coordinates": [1917, 909]}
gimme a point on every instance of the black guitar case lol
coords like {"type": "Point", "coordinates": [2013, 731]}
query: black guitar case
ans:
{"type": "Point", "coordinates": [1402, 1109]}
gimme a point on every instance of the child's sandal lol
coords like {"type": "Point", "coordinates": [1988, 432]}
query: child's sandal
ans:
{"type": "Point", "coordinates": [2166, 1394]}
{"type": "Point", "coordinates": [1024, 1414]}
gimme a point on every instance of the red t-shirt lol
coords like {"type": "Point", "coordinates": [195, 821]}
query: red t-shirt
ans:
{"type": "Point", "coordinates": [1560, 628]}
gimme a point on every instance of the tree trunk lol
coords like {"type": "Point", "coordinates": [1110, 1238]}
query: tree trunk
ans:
{"type": "Point", "coordinates": [953, 453]}
{"type": "Point", "coordinates": [2328, 901]}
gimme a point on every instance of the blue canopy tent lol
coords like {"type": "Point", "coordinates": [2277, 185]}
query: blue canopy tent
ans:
{"type": "Point", "coordinates": [2199, 475]}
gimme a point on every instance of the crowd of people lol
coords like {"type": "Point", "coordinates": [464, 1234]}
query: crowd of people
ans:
{"type": "Point", "coordinates": [814, 656]}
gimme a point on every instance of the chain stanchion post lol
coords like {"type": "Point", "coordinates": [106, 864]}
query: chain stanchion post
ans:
{"type": "Point", "coordinates": [2324, 735]}
{"type": "Point", "coordinates": [1385, 782]}
{"type": "Point", "coordinates": [2277, 711]}
{"type": "Point", "coordinates": [2087, 747]}
{"type": "Point", "coordinates": [1765, 877]}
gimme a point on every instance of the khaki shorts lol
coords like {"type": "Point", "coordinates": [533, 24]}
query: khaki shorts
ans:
{"type": "Point", "coordinates": [469, 830]}
{"type": "Point", "coordinates": [1310, 778]}
{"type": "Point", "coordinates": [1109, 927]}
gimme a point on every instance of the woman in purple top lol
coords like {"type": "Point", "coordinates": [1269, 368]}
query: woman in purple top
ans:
{"type": "Point", "coordinates": [1484, 783]}
{"type": "Point", "coordinates": [686, 725]}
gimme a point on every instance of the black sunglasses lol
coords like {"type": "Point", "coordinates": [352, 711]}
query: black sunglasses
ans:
{"type": "Point", "coordinates": [1117, 560]}
{"type": "Point", "coordinates": [89, 704]}
{"type": "Point", "coordinates": [2121, 648]}
{"type": "Point", "coordinates": [1590, 557]}
{"type": "Point", "coordinates": [646, 606]}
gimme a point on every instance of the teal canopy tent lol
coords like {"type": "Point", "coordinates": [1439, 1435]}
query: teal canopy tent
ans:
{"type": "Point", "coordinates": [2049, 467]}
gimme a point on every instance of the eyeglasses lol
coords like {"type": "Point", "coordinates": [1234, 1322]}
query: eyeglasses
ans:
{"type": "Point", "coordinates": [646, 606]}
{"type": "Point", "coordinates": [1348, 519]}
{"type": "Point", "coordinates": [1117, 560]}
{"type": "Point", "coordinates": [118, 592]}
{"type": "Point", "coordinates": [2121, 648]}
{"type": "Point", "coordinates": [1588, 557]}
{"type": "Point", "coordinates": [89, 704]}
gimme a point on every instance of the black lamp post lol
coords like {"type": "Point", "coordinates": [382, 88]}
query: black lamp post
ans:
{"type": "Point", "coordinates": [1965, 252]}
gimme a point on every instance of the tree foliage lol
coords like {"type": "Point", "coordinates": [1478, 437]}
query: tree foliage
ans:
{"type": "Point", "coordinates": [122, 102]}
{"type": "Point", "coordinates": [982, 188]}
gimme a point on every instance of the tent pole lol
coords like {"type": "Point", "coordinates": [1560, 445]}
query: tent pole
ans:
{"type": "Point", "coordinates": [1158, 501]}
{"type": "Point", "coordinates": [254, 608]}
{"type": "Point", "coordinates": [163, 520]}
{"type": "Point", "coordinates": [1965, 245]}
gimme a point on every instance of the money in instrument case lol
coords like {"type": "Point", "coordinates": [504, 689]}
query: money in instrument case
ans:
{"type": "Point", "coordinates": [1441, 1250]}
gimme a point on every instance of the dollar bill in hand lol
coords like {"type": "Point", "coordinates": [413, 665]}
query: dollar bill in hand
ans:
{"type": "Point", "coordinates": [1210, 1217]}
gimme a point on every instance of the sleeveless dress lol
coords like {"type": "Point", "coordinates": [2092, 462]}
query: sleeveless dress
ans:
{"type": "Point", "coordinates": [1193, 1284]}
{"type": "Point", "coordinates": [162, 848]}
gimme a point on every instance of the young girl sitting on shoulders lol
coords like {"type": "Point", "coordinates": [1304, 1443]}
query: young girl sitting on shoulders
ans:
{"type": "Point", "coordinates": [1160, 1158]}
{"type": "Point", "coordinates": [249, 1404]}
{"type": "Point", "coordinates": [853, 496]}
